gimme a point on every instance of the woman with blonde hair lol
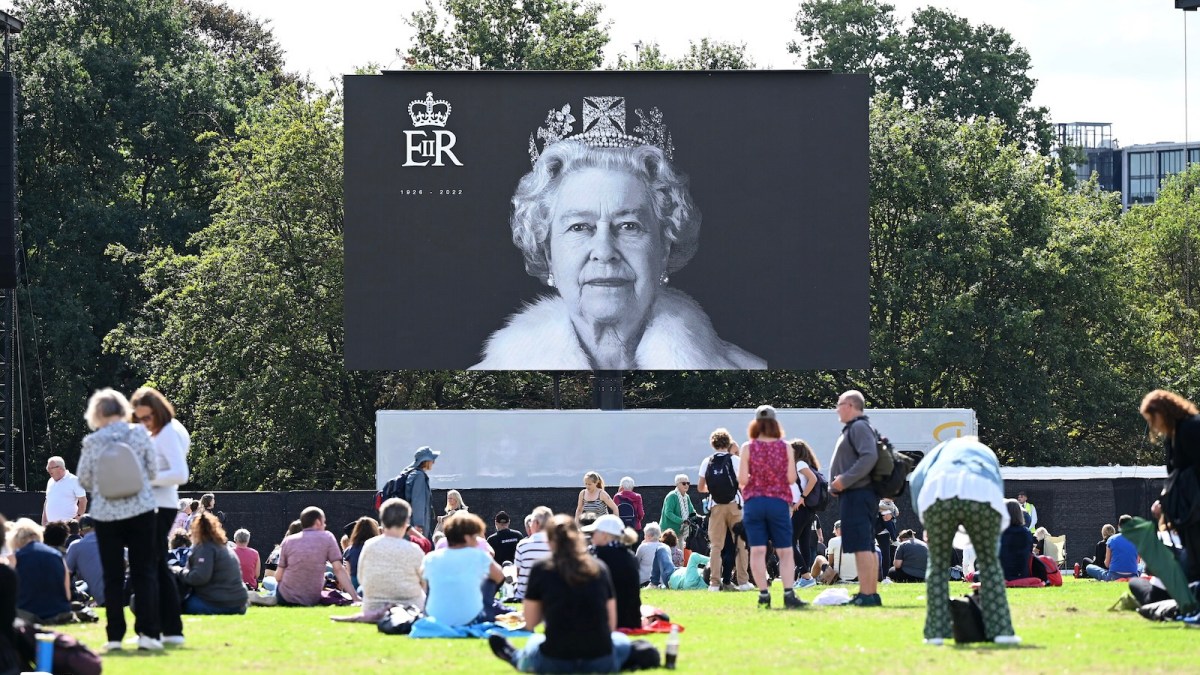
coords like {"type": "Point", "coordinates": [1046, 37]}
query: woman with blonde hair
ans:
{"type": "Point", "coordinates": [123, 523]}
{"type": "Point", "coordinates": [593, 498]}
{"type": "Point", "coordinates": [213, 571]}
{"type": "Point", "coordinates": [572, 592]}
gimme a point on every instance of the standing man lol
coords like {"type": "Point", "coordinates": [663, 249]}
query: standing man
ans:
{"type": "Point", "coordinates": [853, 458]}
{"type": "Point", "coordinates": [65, 497]}
{"type": "Point", "coordinates": [1029, 509]}
{"type": "Point", "coordinates": [718, 479]}
{"type": "Point", "coordinates": [504, 541]}
{"type": "Point", "coordinates": [417, 490]}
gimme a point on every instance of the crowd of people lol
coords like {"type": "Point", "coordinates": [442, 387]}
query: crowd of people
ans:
{"type": "Point", "coordinates": [116, 531]}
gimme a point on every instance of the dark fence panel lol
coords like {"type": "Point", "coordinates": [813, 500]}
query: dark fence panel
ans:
{"type": "Point", "coordinates": [1076, 508]}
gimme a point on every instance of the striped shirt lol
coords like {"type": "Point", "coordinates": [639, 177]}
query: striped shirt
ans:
{"type": "Point", "coordinates": [529, 550]}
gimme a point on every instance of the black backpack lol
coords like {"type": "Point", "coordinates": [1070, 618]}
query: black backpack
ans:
{"type": "Point", "coordinates": [396, 487]}
{"type": "Point", "coordinates": [626, 511]}
{"type": "Point", "coordinates": [818, 497]}
{"type": "Point", "coordinates": [721, 478]}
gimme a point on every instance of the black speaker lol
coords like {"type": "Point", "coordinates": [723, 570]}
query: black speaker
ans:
{"type": "Point", "coordinates": [8, 181]}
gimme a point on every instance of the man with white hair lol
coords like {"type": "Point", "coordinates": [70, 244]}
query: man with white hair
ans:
{"type": "Point", "coordinates": [65, 497]}
{"type": "Point", "coordinates": [532, 548]}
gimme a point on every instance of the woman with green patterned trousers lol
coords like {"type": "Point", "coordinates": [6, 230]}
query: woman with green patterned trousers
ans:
{"type": "Point", "coordinates": [959, 483]}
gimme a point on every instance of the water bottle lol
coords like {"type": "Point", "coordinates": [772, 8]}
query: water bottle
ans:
{"type": "Point", "coordinates": [45, 652]}
{"type": "Point", "coordinates": [672, 647]}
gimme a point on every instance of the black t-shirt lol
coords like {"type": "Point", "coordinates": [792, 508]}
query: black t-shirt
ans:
{"type": "Point", "coordinates": [623, 567]}
{"type": "Point", "coordinates": [504, 543]}
{"type": "Point", "coordinates": [576, 616]}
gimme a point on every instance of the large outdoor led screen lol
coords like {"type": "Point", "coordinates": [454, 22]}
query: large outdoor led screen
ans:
{"type": "Point", "coordinates": [606, 220]}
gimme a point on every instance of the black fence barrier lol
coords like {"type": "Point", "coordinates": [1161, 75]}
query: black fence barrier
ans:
{"type": "Point", "coordinates": [1075, 508]}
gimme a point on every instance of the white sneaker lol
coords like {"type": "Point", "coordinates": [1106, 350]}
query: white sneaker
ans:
{"type": "Point", "coordinates": [114, 646]}
{"type": "Point", "coordinates": [746, 587]}
{"type": "Point", "coordinates": [935, 642]}
{"type": "Point", "coordinates": [714, 589]}
{"type": "Point", "coordinates": [1007, 640]}
{"type": "Point", "coordinates": [886, 580]}
{"type": "Point", "coordinates": [149, 644]}
{"type": "Point", "coordinates": [176, 640]}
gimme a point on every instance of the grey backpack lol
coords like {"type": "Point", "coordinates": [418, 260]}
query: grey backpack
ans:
{"type": "Point", "coordinates": [118, 472]}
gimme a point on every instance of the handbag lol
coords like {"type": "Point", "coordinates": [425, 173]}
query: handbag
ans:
{"type": "Point", "coordinates": [399, 620]}
{"type": "Point", "coordinates": [966, 616]}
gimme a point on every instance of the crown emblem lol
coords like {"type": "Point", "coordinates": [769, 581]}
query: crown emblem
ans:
{"type": "Point", "coordinates": [429, 113]}
{"type": "Point", "coordinates": [604, 126]}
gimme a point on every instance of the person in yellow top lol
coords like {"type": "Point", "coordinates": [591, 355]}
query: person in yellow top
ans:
{"type": "Point", "coordinates": [1029, 509]}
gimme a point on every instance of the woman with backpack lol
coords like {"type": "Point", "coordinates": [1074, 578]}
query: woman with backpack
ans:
{"type": "Point", "coordinates": [629, 505]}
{"type": "Point", "coordinates": [803, 536]}
{"type": "Point", "coordinates": [123, 509]}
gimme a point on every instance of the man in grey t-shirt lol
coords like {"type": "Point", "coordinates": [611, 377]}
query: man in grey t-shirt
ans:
{"type": "Point", "coordinates": [853, 458]}
{"type": "Point", "coordinates": [912, 557]}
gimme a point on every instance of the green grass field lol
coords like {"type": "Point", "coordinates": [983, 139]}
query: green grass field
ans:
{"type": "Point", "coordinates": [1067, 629]}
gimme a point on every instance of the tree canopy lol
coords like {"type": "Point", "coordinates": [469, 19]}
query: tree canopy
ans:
{"type": "Point", "coordinates": [939, 58]}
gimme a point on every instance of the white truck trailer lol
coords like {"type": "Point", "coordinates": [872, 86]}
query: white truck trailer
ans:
{"type": "Point", "coordinates": [554, 448]}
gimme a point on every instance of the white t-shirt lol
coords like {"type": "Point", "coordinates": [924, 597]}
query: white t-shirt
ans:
{"type": "Point", "coordinates": [62, 497]}
{"type": "Point", "coordinates": [844, 563]}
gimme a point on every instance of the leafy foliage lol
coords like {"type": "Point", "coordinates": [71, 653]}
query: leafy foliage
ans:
{"type": "Point", "coordinates": [121, 104]}
{"type": "Point", "coordinates": [939, 59]}
{"type": "Point", "coordinates": [703, 55]}
{"type": "Point", "coordinates": [247, 333]}
{"type": "Point", "coordinates": [1163, 240]}
{"type": "Point", "coordinates": [502, 35]}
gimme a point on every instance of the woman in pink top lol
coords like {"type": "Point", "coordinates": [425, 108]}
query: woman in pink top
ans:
{"type": "Point", "coordinates": [766, 475]}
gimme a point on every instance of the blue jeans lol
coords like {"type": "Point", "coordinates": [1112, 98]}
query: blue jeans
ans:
{"type": "Point", "coordinates": [194, 605]}
{"type": "Point", "coordinates": [1100, 574]}
{"type": "Point", "coordinates": [661, 570]}
{"type": "Point", "coordinates": [531, 660]}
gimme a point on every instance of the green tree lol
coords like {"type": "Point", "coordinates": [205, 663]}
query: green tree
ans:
{"type": "Point", "coordinates": [703, 55]}
{"type": "Point", "coordinates": [939, 59]}
{"type": "Point", "coordinates": [121, 103]}
{"type": "Point", "coordinates": [500, 35]}
{"type": "Point", "coordinates": [1163, 241]}
{"type": "Point", "coordinates": [991, 289]}
{"type": "Point", "coordinates": [247, 332]}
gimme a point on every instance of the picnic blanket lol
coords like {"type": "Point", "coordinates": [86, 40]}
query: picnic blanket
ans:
{"type": "Point", "coordinates": [428, 627]}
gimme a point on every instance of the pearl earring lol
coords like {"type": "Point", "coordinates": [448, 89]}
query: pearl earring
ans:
{"type": "Point", "coordinates": [550, 280]}
{"type": "Point", "coordinates": [663, 278]}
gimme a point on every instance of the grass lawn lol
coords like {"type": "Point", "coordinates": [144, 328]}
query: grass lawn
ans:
{"type": "Point", "coordinates": [1067, 629]}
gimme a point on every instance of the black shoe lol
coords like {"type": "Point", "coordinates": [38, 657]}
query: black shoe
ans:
{"type": "Point", "coordinates": [764, 600]}
{"type": "Point", "coordinates": [790, 601]}
{"type": "Point", "coordinates": [503, 649]}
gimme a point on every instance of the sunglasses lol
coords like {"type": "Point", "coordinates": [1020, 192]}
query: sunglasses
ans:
{"type": "Point", "coordinates": [144, 418]}
{"type": "Point", "coordinates": [684, 482]}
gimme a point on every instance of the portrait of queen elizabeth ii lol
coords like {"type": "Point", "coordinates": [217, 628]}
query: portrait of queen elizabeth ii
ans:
{"type": "Point", "coordinates": [604, 219]}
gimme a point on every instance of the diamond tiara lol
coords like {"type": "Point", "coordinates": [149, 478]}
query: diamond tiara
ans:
{"type": "Point", "coordinates": [603, 127]}
{"type": "Point", "coordinates": [429, 113]}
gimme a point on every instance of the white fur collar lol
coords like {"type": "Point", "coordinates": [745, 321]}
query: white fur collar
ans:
{"type": "Point", "coordinates": [679, 336]}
